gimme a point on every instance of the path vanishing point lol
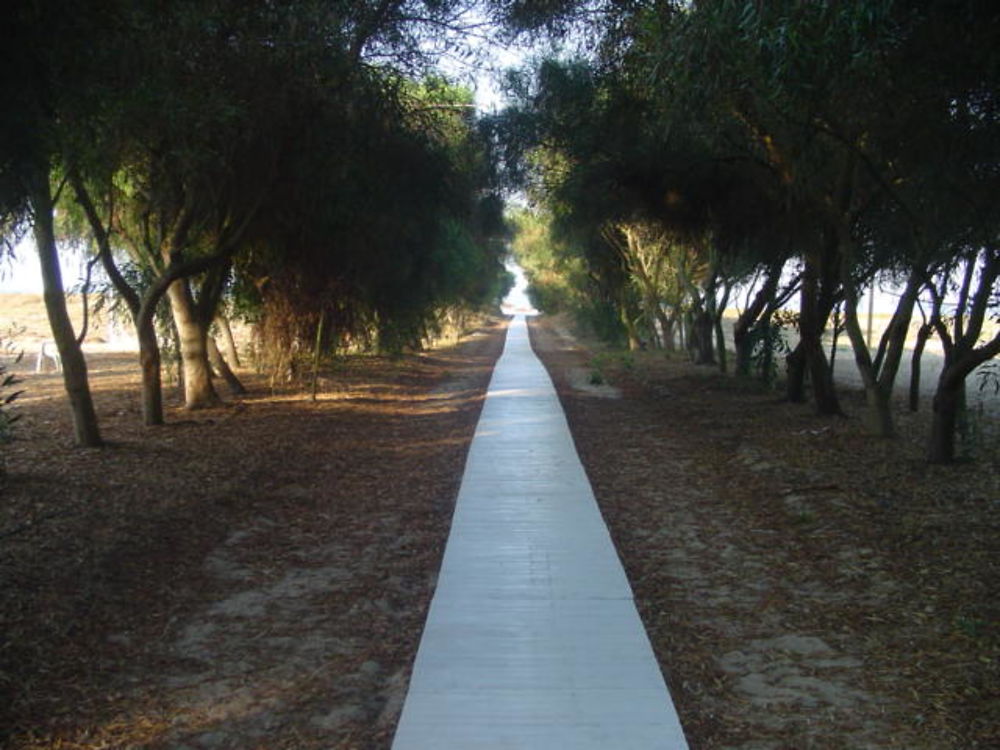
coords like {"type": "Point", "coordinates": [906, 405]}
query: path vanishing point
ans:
{"type": "Point", "coordinates": [532, 639]}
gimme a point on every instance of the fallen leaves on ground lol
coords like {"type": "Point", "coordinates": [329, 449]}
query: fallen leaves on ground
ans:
{"type": "Point", "coordinates": [252, 576]}
{"type": "Point", "coordinates": [804, 585]}
{"type": "Point", "coordinates": [257, 576]}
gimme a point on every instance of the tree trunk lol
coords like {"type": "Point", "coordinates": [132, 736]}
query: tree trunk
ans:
{"type": "Point", "coordinates": [232, 355]}
{"type": "Point", "coordinates": [835, 339]}
{"type": "Point", "coordinates": [85, 427]}
{"type": "Point", "coordinates": [796, 383]}
{"type": "Point", "coordinates": [666, 329]}
{"type": "Point", "coordinates": [199, 393]}
{"type": "Point", "coordinates": [879, 375]}
{"type": "Point", "coordinates": [817, 301]}
{"type": "Point", "coordinates": [950, 397]}
{"type": "Point", "coordinates": [761, 308]}
{"type": "Point", "coordinates": [222, 367]}
{"type": "Point", "coordinates": [142, 314]}
{"type": "Point", "coordinates": [317, 351]}
{"type": "Point", "coordinates": [718, 310]}
{"type": "Point", "coordinates": [947, 407]}
{"type": "Point", "coordinates": [918, 352]}
{"type": "Point", "coordinates": [634, 341]}
{"type": "Point", "coordinates": [701, 343]}
{"type": "Point", "coordinates": [650, 305]}
{"type": "Point", "coordinates": [878, 415]}
{"type": "Point", "coordinates": [743, 342]}
{"type": "Point", "coordinates": [878, 396]}
{"type": "Point", "coordinates": [824, 390]}
{"type": "Point", "coordinates": [720, 343]}
{"type": "Point", "coordinates": [152, 384]}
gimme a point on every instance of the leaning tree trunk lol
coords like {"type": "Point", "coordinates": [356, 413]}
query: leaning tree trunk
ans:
{"type": "Point", "coordinates": [222, 367]}
{"type": "Point", "coordinates": [199, 393]}
{"type": "Point", "coordinates": [75, 379]}
{"type": "Point", "coordinates": [879, 375]}
{"type": "Point", "coordinates": [761, 306]}
{"type": "Point", "coordinates": [918, 352]}
{"type": "Point", "coordinates": [141, 310]}
{"type": "Point", "coordinates": [232, 355]}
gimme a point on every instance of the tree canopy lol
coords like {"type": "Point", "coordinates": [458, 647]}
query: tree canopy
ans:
{"type": "Point", "coordinates": [839, 141]}
{"type": "Point", "coordinates": [308, 161]}
{"type": "Point", "coordinates": [302, 155]}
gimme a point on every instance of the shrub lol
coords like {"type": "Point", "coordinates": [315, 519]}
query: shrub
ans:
{"type": "Point", "coordinates": [7, 382]}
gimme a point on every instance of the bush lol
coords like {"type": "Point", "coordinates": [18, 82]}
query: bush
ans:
{"type": "Point", "coordinates": [6, 417]}
{"type": "Point", "coordinates": [7, 382]}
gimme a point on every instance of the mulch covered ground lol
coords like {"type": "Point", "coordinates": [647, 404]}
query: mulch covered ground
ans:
{"type": "Point", "coordinates": [804, 585]}
{"type": "Point", "coordinates": [257, 576]}
{"type": "Point", "coordinates": [254, 576]}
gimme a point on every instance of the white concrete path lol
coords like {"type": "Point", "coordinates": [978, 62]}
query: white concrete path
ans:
{"type": "Point", "coordinates": [532, 639]}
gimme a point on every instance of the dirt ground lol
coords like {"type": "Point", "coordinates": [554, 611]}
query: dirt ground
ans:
{"type": "Point", "coordinates": [804, 586]}
{"type": "Point", "coordinates": [254, 576]}
{"type": "Point", "coordinates": [257, 576]}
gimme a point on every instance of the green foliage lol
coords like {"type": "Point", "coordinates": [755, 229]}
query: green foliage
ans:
{"type": "Point", "coordinates": [383, 217]}
{"type": "Point", "coordinates": [861, 136]}
{"type": "Point", "coordinates": [547, 267]}
{"type": "Point", "coordinates": [971, 626]}
{"type": "Point", "coordinates": [360, 189]}
{"type": "Point", "coordinates": [769, 346]}
{"type": "Point", "coordinates": [8, 381]}
{"type": "Point", "coordinates": [978, 427]}
{"type": "Point", "coordinates": [559, 280]}
{"type": "Point", "coordinates": [989, 378]}
{"type": "Point", "coordinates": [600, 364]}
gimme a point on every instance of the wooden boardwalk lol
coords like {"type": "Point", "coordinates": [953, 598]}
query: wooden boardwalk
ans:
{"type": "Point", "coordinates": [532, 639]}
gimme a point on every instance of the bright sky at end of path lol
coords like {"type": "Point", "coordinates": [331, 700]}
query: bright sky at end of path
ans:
{"type": "Point", "coordinates": [517, 302]}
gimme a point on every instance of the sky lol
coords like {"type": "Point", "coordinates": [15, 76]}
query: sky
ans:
{"type": "Point", "coordinates": [517, 300]}
{"type": "Point", "coordinates": [21, 273]}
